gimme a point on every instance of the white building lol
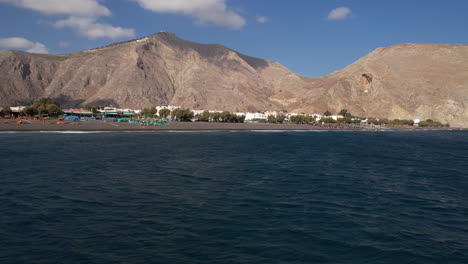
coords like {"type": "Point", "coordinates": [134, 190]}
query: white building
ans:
{"type": "Point", "coordinates": [170, 107]}
{"type": "Point", "coordinates": [249, 117]}
{"type": "Point", "coordinates": [17, 108]}
{"type": "Point", "coordinates": [271, 113]}
{"type": "Point", "coordinates": [108, 109]}
{"type": "Point", "coordinates": [336, 117]}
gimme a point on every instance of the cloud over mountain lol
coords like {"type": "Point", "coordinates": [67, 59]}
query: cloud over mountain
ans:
{"type": "Point", "coordinates": [23, 44]}
{"type": "Point", "coordinates": [214, 12]}
{"type": "Point", "coordinates": [83, 16]}
{"type": "Point", "coordinates": [90, 28]}
{"type": "Point", "coordinates": [61, 7]}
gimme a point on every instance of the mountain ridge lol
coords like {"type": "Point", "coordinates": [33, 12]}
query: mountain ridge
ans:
{"type": "Point", "coordinates": [400, 81]}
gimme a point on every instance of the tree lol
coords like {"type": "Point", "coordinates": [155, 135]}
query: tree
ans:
{"type": "Point", "coordinates": [299, 119]}
{"type": "Point", "coordinates": [40, 109]}
{"type": "Point", "coordinates": [328, 120]}
{"type": "Point", "coordinates": [204, 117]}
{"type": "Point", "coordinates": [432, 123]}
{"type": "Point", "coordinates": [344, 120]}
{"type": "Point", "coordinates": [149, 112]}
{"type": "Point", "coordinates": [271, 119]}
{"type": "Point", "coordinates": [28, 111]}
{"type": "Point", "coordinates": [310, 119]}
{"type": "Point", "coordinates": [225, 116]}
{"type": "Point", "coordinates": [302, 119]}
{"type": "Point", "coordinates": [183, 115]}
{"type": "Point", "coordinates": [46, 101]}
{"type": "Point", "coordinates": [215, 117]}
{"type": "Point", "coordinates": [276, 119]}
{"type": "Point", "coordinates": [374, 121]}
{"type": "Point", "coordinates": [92, 108]}
{"type": "Point", "coordinates": [6, 110]}
{"type": "Point", "coordinates": [232, 118]}
{"type": "Point", "coordinates": [280, 118]}
{"type": "Point", "coordinates": [164, 113]}
{"type": "Point", "coordinates": [44, 106]}
{"type": "Point", "coordinates": [345, 113]}
{"type": "Point", "coordinates": [327, 113]}
{"type": "Point", "coordinates": [53, 109]}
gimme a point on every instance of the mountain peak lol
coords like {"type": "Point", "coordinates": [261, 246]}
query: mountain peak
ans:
{"type": "Point", "coordinates": [401, 81]}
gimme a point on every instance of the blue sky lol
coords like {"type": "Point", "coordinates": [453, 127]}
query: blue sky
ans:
{"type": "Point", "coordinates": [312, 38]}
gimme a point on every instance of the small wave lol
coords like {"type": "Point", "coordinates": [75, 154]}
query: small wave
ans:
{"type": "Point", "coordinates": [287, 131]}
{"type": "Point", "coordinates": [75, 132]}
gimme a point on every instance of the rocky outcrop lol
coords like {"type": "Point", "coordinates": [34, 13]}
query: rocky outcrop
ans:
{"type": "Point", "coordinates": [403, 81]}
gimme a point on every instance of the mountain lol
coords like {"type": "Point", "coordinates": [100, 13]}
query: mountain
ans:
{"type": "Point", "coordinates": [402, 81]}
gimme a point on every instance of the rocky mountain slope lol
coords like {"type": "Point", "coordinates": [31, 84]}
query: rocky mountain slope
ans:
{"type": "Point", "coordinates": [403, 81]}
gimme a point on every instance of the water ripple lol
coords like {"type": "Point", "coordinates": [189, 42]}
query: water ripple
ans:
{"type": "Point", "coordinates": [244, 197]}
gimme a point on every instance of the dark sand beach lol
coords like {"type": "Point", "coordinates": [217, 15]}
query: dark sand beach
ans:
{"type": "Point", "coordinates": [28, 125]}
{"type": "Point", "coordinates": [51, 125]}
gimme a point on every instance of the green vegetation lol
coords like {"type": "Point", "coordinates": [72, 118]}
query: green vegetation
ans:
{"type": "Point", "coordinates": [149, 112]}
{"type": "Point", "coordinates": [225, 117]}
{"type": "Point", "coordinates": [231, 118]}
{"type": "Point", "coordinates": [345, 120]}
{"type": "Point", "coordinates": [279, 119]}
{"type": "Point", "coordinates": [92, 108]}
{"type": "Point", "coordinates": [327, 120]}
{"type": "Point", "coordinates": [432, 123]}
{"type": "Point", "coordinates": [6, 110]}
{"type": "Point", "coordinates": [302, 119]}
{"type": "Point", "coordinates": [399, 122]}
{"type": "Point", "coordinates": [215, 117]}
{"type": "Point", "coordinates": [183, 115]}
{"type": "Point", "coordinates": [395, 122]}
{"type": "Point", "coordinates": [44, 106]}
{"type": "Point", "coordinates": [164, 113]}
{"type": "Point", "coordinates": [327, 113]}
{"type": "Point", "coordinates": [345, 113]}
{"type": "Point", "coordinates": [203, 117]}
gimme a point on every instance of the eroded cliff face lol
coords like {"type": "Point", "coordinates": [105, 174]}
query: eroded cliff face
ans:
{"type": "Point", "coordinates": [403, 81]}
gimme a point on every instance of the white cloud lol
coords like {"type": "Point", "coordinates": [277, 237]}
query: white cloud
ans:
{"type": "Point", "coordinates": [213, 12]}
{"type": "Point", "coordinates": [90, 28]}
{"type": "Point", "coordinates": [340, 13]}
{"type": "Point", "coordinates": [23, 44]}
{"type": "Point", "coordinates": [64, 44]}
{"type": "Point", "coordinates": [262, 19]}
{"type": "Point", "coordinates": [82, 15]}
{"type": "Point", "coordinates": [63, 7]}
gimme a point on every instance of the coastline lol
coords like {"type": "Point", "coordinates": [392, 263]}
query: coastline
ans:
{"type": "Point", "coordinates": [100, 126]}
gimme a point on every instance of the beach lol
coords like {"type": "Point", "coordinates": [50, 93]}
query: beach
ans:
{"type": "Point", "coordinates": [28, 125]}
{"type": "Point", "coordinates": [51, 125]}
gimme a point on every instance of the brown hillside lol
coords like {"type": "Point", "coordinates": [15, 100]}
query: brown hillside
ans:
{"type": "Point", "coordinates": [403, 81]}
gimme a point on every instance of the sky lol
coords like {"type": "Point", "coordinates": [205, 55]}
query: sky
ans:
{"type": "Point", "coordinates": [311, 37]}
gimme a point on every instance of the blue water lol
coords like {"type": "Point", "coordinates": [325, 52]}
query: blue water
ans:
{"type": "Point", "coordinates": [234, 197]}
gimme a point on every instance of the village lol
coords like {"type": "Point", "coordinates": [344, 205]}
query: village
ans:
{"type": "Point", "coordinates": [47, 109]}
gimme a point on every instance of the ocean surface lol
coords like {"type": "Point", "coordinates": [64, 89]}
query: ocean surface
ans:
{"type": "Point", "coordinates": [234, 197]}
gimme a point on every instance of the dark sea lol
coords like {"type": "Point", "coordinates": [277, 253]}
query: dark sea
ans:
{"type": "Point", "coordinates": [234, 197]}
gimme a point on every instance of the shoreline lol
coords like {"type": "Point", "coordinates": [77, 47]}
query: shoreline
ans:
{"type": "Point", "coordinates": [101, 126]}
